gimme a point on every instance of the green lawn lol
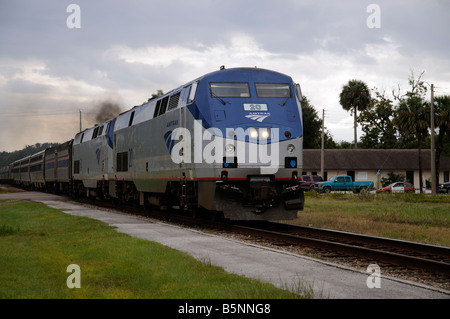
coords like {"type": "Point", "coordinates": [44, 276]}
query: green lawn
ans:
{"type": "Point", "coordinates": [38, 243]}
{"type": "Point", "coordinates": [413, 217]}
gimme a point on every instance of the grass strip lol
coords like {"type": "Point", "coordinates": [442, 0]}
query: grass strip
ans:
{"type": "Point", "coordinates": [38, 243]}
{"type": "Point", "coordinates": [413, 217]}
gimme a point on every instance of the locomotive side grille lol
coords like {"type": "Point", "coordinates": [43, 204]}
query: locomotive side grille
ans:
{"type": "Point", "coordinates": [173, 102]}
{"type": "Point", "coordinates": [122, 162]}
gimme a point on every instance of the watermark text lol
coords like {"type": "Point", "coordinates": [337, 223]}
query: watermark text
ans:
{"type": "Point", "coordinates": [74, 280]}
{"type": "Point", "coordinates": [210, 146]}
{"type": "Point", "coordinates": [74, 19]}
{"type": "Point", "coordinates": [374, 19]}
{"type": "Point", "coordinates": [374, 280]}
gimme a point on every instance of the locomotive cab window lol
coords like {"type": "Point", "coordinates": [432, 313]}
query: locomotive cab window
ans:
{"type": "Point", "coordinates": [192, 92]}
{"type": "Point", "coordinates": [229, 89]}
{"type": "Point", "coordinates": [282, 90]}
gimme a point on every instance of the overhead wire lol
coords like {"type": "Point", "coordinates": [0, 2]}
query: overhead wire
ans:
{"type": "Point", "coordinates": [29, 114]}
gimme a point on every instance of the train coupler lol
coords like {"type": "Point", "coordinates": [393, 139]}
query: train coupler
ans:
{"type": "Point", "coordinates": [260, 197]}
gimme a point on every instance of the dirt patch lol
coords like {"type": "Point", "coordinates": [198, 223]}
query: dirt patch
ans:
{"type": "Point", "coordinates": [9, 189]}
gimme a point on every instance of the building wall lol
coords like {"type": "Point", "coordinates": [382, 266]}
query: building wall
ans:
{"type": "Point", "coordinates": [371, 175]}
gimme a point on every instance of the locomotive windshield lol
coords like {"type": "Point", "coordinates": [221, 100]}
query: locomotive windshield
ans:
{"type": "Point", "coordinates": [229, 89]}
{"type": "Point", "coordinates": [273, 90]}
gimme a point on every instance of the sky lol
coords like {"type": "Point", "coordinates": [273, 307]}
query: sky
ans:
{"type": "Point", "coordinates": [57, 59]}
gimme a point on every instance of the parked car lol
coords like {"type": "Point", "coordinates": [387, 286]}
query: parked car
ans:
{"type": "Point", "coordinates": [308, 181]}
{"type": "Point", "coordinates": [342, 183]}
{"type": "Point", "coordinates": [444, 188]}
{"type": "Point", "coordinates": [398, 187]}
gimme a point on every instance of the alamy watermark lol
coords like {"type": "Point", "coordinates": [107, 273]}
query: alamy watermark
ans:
{"type": "Point", "coordinates": [210, 146]}
{"type": "Point", "coordinates": [74, 280]}
{"type": "Point", "coordinates": [374, 280]}
{"type": "Point", "coordinates": [74, 19]}
{"type": "Point", "coordinates": [374, 19]}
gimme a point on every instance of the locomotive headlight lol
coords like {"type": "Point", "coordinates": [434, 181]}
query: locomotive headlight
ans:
{"type": "Point", "coordinates": [290, 148]}
{"type": "Point", "coordinates": [230, 148]}
{"type": "Point", "coordinates": [264, 133]}
{"type": "Point", "coordinates": [253, 133]}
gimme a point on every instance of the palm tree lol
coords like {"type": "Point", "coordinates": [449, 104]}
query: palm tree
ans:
{"type": "Point", "coordinates": [413, 118]}
{"type": "Point", "coordinates": [355, 96]}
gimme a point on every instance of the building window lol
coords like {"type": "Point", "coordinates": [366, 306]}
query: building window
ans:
{"type": "Point", "coordinates": [410, 177]}
{"type": "Point", "coordinates": [362, 176]}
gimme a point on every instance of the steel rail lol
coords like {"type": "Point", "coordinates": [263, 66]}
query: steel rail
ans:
{"type": "Point", "coordinates": [330, 241]}
{"type": "Point", "coordinates": [380, 253]}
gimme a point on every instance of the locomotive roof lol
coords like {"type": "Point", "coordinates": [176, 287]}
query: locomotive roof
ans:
{"type": "Point", "coordinates": [224, 72]}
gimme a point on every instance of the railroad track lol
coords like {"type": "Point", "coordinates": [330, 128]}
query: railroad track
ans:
{"type": "Point", "coordinates": [383, 250]}
{"type": "Point", "coordinates": [428, 259]}
{"type": "Point", "coordinates": [398, 253]}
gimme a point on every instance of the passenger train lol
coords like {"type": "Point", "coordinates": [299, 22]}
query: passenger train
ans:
{"type": "Point", "coordinates": [229, 142]}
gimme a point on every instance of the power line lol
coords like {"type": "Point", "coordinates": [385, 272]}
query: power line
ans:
{"type": "Point", "coordinates": [34, 115]}
{"type": "Point", "coordinates": [42, 114]}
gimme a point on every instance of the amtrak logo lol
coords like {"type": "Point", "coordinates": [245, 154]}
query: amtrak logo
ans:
{"type": "Point", "coordinates": [169, 142]}
{"type": "Point", "coordinates": [258, 117]}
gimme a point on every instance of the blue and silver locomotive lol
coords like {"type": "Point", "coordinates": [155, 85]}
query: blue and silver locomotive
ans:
{"type": "Point", "coordinates": [230, 141]}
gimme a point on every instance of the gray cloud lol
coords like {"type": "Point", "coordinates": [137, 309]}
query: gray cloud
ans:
{"type": "Point", "coordinates": [20, 86]}
{"type": "Point", "coordinates": [129, 50]}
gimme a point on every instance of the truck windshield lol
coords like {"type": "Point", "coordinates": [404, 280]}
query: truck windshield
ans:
{"type": "Point", "coordinates": [229, 89]}
{"type": "Point", "coordinates": [273, 90]}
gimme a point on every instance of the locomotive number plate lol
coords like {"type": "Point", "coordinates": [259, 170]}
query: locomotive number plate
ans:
{"type": "Point", "coordinates": [255, 107]}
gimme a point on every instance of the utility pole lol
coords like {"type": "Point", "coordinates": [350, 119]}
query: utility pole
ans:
{"type": "Point", "coordinates": [356, 129]}
{"type": "Point", "coordinates": [322, 149]}
{"type": "Point", "coordinates": [80, 122]}
{"type": "Point", "coordinates": [432, 150]}
{"type": "Point", "coordinates": [433, 154]}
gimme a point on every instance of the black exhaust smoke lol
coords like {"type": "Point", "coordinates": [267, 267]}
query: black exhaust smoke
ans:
{"type": "Point", "coordinates": [106, 111]}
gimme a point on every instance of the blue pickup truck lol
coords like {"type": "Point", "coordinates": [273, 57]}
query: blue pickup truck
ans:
{"type": "Point", "coordinates": [342, 183]}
